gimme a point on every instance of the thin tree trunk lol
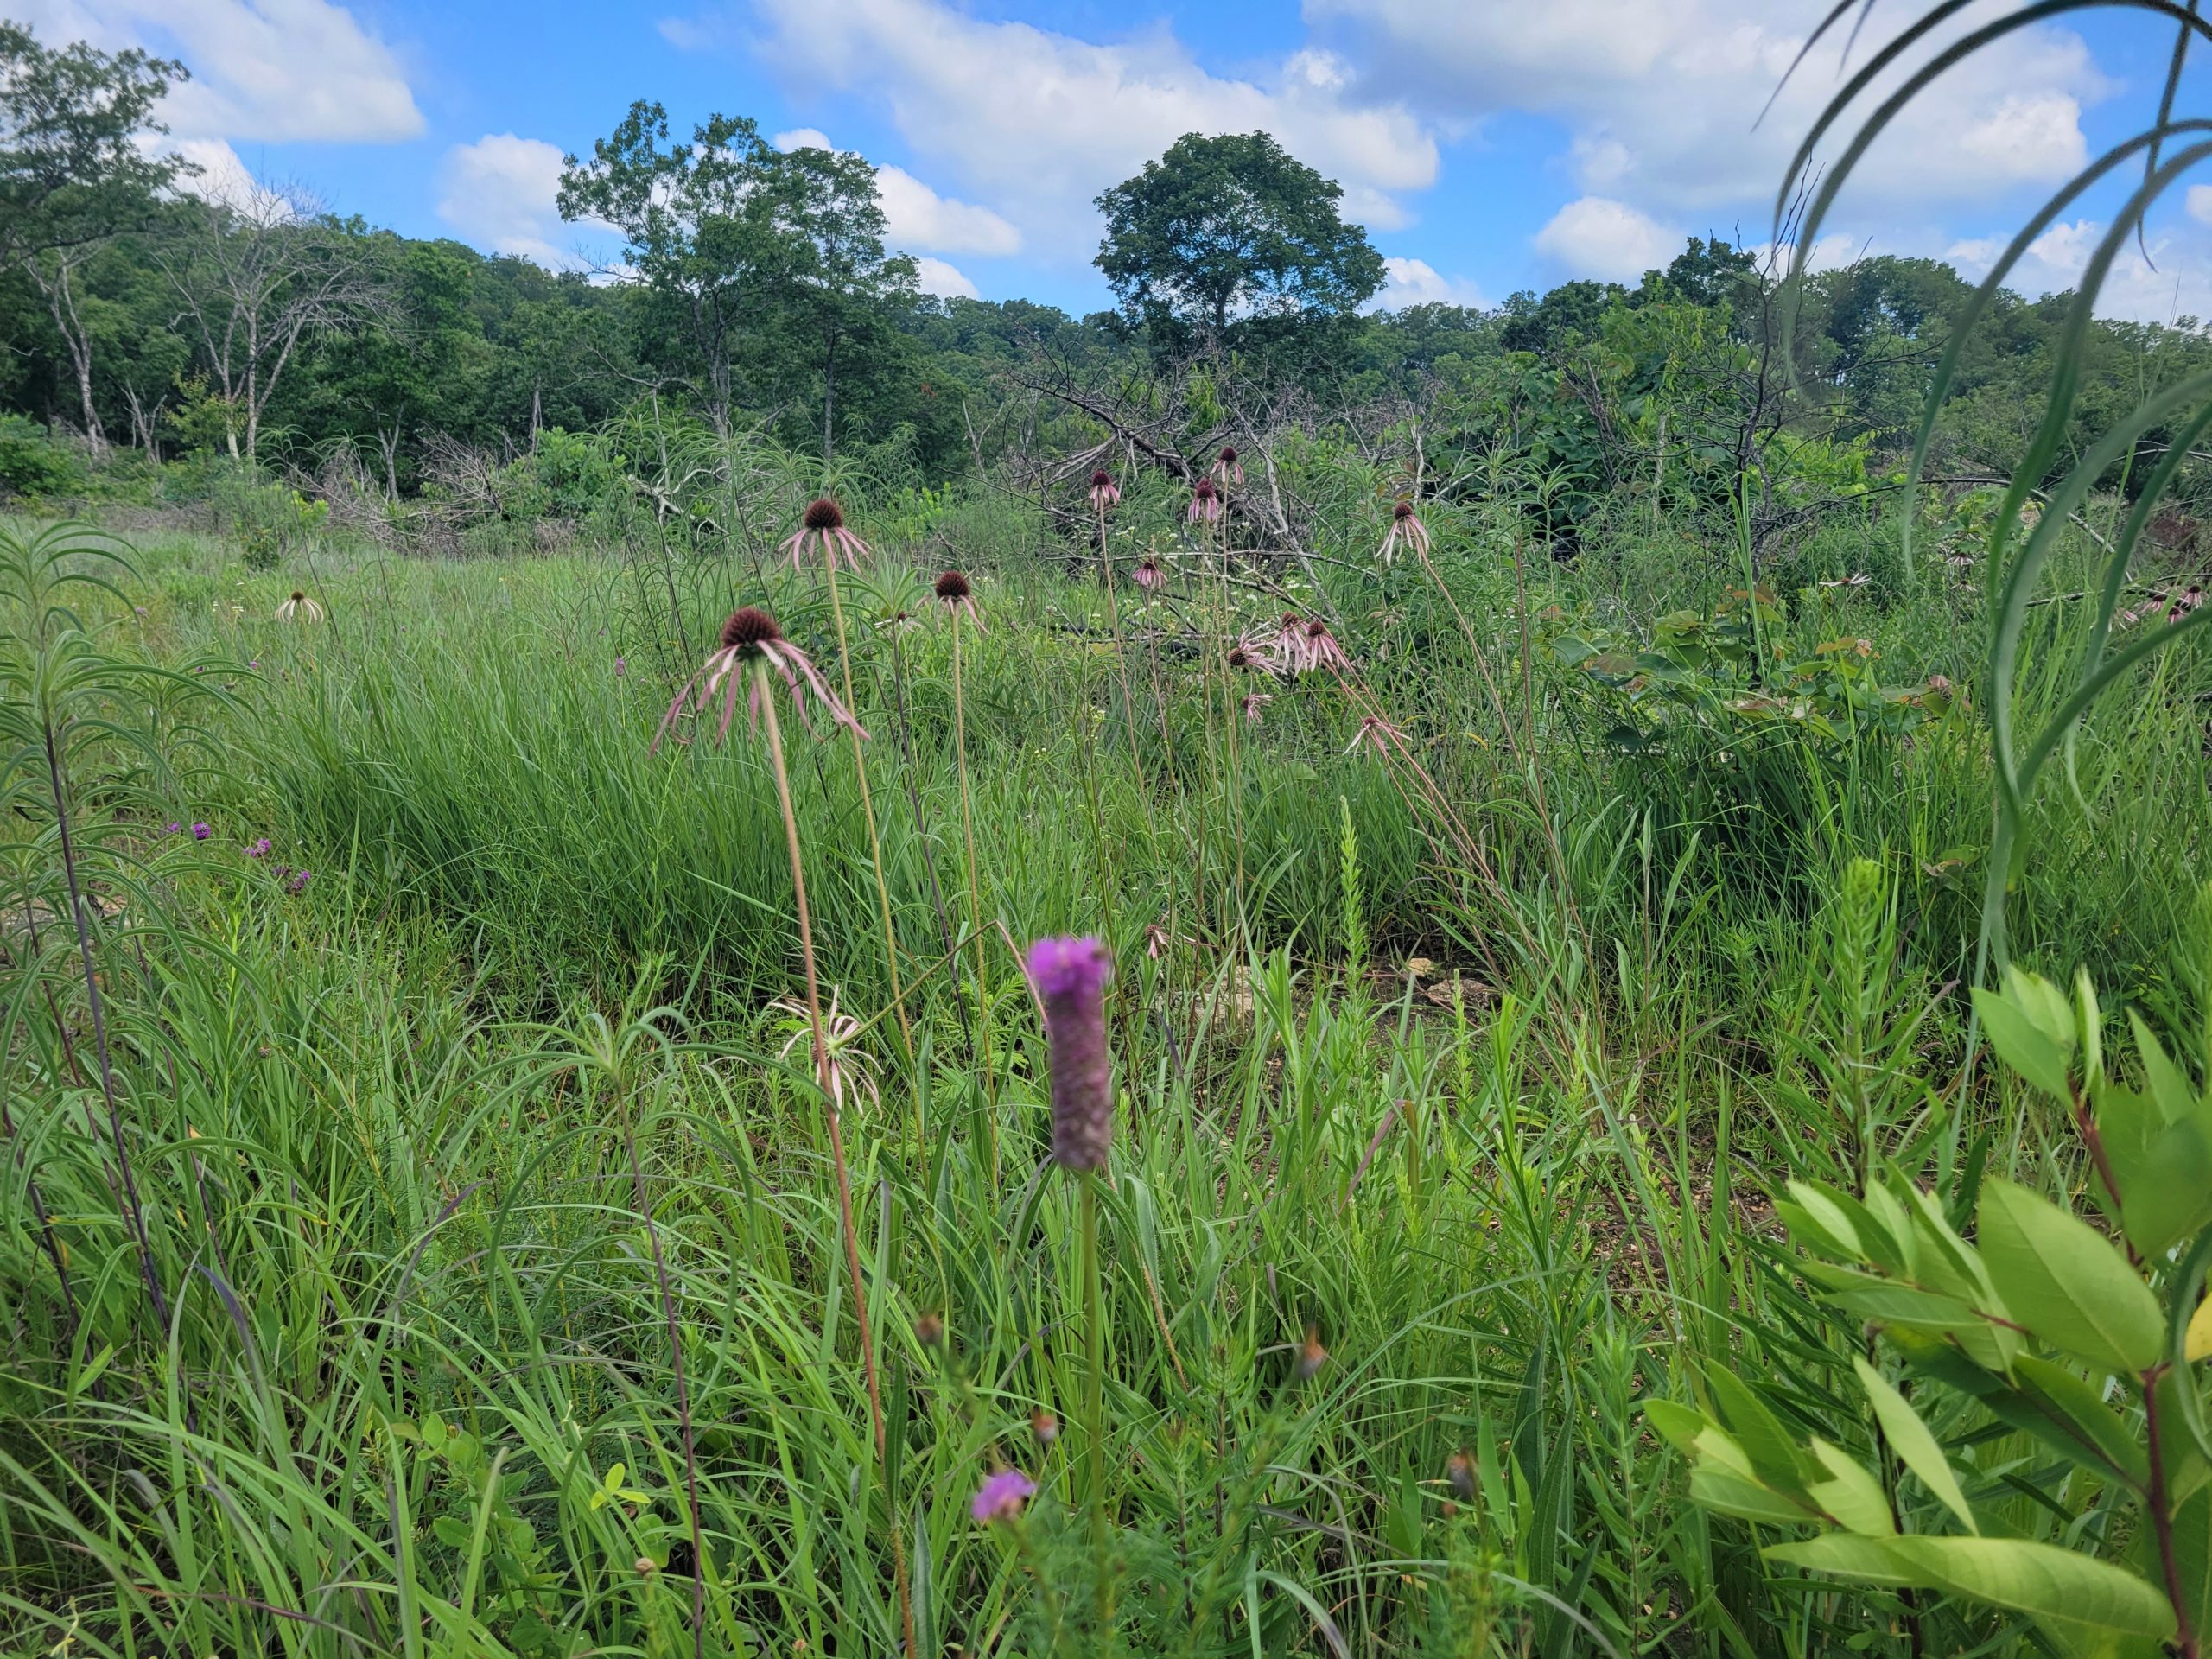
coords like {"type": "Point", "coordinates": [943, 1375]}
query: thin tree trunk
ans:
{"type": "Point", "coordinates": [829, 400]}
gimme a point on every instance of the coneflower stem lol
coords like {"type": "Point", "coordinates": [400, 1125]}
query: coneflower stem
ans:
{"type": "Point", "coordinates": [1094, 1404]}
{"type": "Point", "coordinates": [867, 814]}
{"type": "Point", "coordinates": [837, 1160]}
{"type": "Point", "coordinates": [975, 895]}
{"type": "Point", "coordinates": [1121, 654]}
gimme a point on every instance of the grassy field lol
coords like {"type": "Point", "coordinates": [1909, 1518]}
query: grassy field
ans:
{"type": "Point", "coordinates": [429, 1241]}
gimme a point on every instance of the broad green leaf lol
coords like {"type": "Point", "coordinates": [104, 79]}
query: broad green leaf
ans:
{"type": "Point", "coordinates": [1818, 1223]}
{"type": "Point", "coordinates": [1914, 1445]}
{"type": "Point", "coordinates": [1850, 1493]}
{"type": "Point", "coordinates": [1716, 1489]}
{"type": "Point", "coordinates": [2066, 1282]}
{"type": "Point", "coordinates": [2170, 1086]}
{"type": "Point", "coordinates": [2040, 1579]}
{"type": "Point", "coordinates": [2021, 1046]}
{"type": "Point", "coordinates": [1774, 1456]}
{"type": "Point", "coordinates": [2077, 1410]}
{"type": "Point", "coordinates": [2170, 1197]}
{"type": "Point", "coordinates": [1675, 1423]}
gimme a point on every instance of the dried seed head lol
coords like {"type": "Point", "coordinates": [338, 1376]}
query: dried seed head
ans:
{"type": "Point", "coordinates": [646, 1566]}
{"type": "Point", "coordinates": [822, 513]}
{"type": "Point", "coordinates": [952, 587]}
{"type": "Point", "coordinates": [749, 628]}
{"type": "Point", "coordinates": [1102, 479]}
{"type": "Point", "coordinates": [1071, 975]}
{"type": "Point", "coordinates": [1044, 1426]}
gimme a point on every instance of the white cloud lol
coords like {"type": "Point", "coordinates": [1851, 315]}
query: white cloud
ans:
{"type": "Point", "coordinates": [268, 71]}
{"type": "Point", "coordinates": [1663, 102]}
{"type": "Point", "coordinates": [1037, 123]}
{"type": "Point", "coordinates": [2199, 202]}
{"type": "Point", "coordinates": [936, 276]}
{"type": "Point", "coordinates": [1598, 237]}
{"type": "Point", "coordinates": [915, 216]}
{"type": "Point", "coordinates": [2176, 281]}
{"type": "Point", "coordinates": [1415, 282]}
{"type": "Point", "coordinates": [499, 193]}
{"type": "Point", "coordinates": [219, 175]}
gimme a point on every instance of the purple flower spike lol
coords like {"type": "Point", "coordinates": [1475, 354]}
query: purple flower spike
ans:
{"type": "Point", "coordinates": [259, 849]}
{"type": "Point", "coordinates": [200, 832]}
{"type": "Point", "coordinates": [299, 882]}
{"type": "Point", "coordinates": [174, 828]}
{"type": "Point", "coordinates": [1001, 1496]}
{"type": "Point", "coordinates": [1070, 976]}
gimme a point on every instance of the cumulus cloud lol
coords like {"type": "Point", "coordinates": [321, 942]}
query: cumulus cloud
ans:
{"type": "Point", "coordinates": [1415, 282]}
{"type": "Point", "coordinates": [268, 71]}
{"type": "Point", "coordinates": [1037, 123]}
{"type": "Point", "coordinates": [1596, 236]}
{"type": "Point", "coordinates": [938, 277]}
{"type": "Point", "coordinates": [1663, 102]}
{"type": "Point", "coordinates": [2176, 281]}
{"type": "Point", "coordinates": [501, 192]}
{"type": "Point", "coordinates": [915, 216]}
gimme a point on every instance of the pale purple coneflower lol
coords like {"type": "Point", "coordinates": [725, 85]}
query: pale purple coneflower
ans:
{"type": "Point", "coordinates": [1376, 733]}
{"type": "Point", "coordinates": [839, 1062]}
{"type": "Point", "coordinates": [1070, 975]}
{"type": "Point", "coordinates": [958, 597]}
{"type": "Point", "coordinates": [1205, 505]}
{"type": "Point", "coordinates": [1001, 1496]}
{"type": "Point", "coordinates": [1288, 643]}
{"type": "Point", "coordinates": [1856, 579]}
{"type": "Point", "coordinates": [1322, 649]}
{"type": "Point", "coordinates": [2187, 601]}
{"type": "Point", "coordinates": [1405, 530]}
{"type": "Point", "coordinates": [822, 529]}
{"type": "Point", "coordinates": [1148, 576]}
{"type": "Point", "coordinates": [751, 644]}
{"type": "Point", "coordinates": [1104, 493]}
{"type": "Point", "coordinates": [1227, 469]}
{"type": "Point", "coordinates": [1252, 704]}
{"type": "Point", "coordinates": [299, 608]}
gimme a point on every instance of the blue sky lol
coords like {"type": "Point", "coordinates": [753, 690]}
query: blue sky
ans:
{"type": "Point", "coordinates": [1489, 145]}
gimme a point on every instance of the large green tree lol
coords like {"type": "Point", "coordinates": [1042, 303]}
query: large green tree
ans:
{"type": "Point", "coordinates": [1221, 233]}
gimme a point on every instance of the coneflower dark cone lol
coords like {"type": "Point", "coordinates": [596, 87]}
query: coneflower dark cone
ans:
{"type": "Point", "coordinates": [1228, 456]}
{"type": "Point", "coordinates": [297, 595]}
{"type": "Point", "coordinates": [952, 586]}
{"type": "Point", "coordinates": [749, 627]}
{"type": "Point", "coordinates": [1239, 657]}
{"type": "Point", "coordinates": [1101, 479]}
{"type": "Point", "coordinates": [1070, 975]}
{"type": "Point", "coordinates": [1403, 511]}
{"type": "Point", "coordinates": [822, 513]}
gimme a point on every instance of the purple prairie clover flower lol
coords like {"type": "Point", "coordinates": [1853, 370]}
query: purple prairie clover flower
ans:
{"type": "Point", "coordinates": [752, 643]}
{"type": "Point", "coordinates": [960, 599]}
{"type": "Point", "coordinates": [200, 832]}
{"type": "Point", "coordinates": [299, 881]}
{"type": "Point", "coordinates": [1205, 505]}
{"type": "Point", "coordinates": [259, 849]}
{"type": "Point", "coordinates": [1070, 975]}
{"type": "Point", "coordinates": [822, 530]}
{"type": "Point", "coordinates": [1001, 1496]}
{"type": "Point", "coordinates": [1405, 530]}
{"type": "Point", "coordinates": [1148, 576]}
{"type": "Point", "coordinates": [622, 666]}
{"type": "Point", "coordinates": [1104, 493]}
{"type": "Point", "coordinates": [1226, 468]}
{"type": "Point", "coordinates": [173, 829]}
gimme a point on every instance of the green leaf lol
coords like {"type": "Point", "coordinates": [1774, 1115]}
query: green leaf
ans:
{"type": "Point", "coordinates": [1914, 1445]}
{"type": "Point", "coordinates": [2039, 1580]}
{"type": "Point", "coordinates": [2080, 1412]}
{"type": "Point", "coordinates": [2022, 1047]}
{"type": "Point", "coordinates": [2066, 1282]}
{"type": "Point", "coordinates": [1774, 1459]}
{"type": "Point", "coordinates": [1851, 1493]}
{"type": "Point", "coordinates": [1675, 1423]}
{"type": "Point", "coordinates": [2170, 1086]}
{"type": "Point", "coordinates": [1727, 1494]}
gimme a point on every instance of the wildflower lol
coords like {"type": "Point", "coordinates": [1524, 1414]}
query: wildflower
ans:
{"type": "Point", "coordinates": [259, 849]}
{"type": "Point", "coordinates": [1103, 491]}
{"type": "Point", "coordinates": [959, 598]}
{"type": "Point", "coordinates": [1405, 530]}
{"type": "Point", "coordinates": [1044, 1426]}
{"type": "Point", "coordinates": [841, 1060]}
{"type": "Point", "coordinates": [1959, 560]}
{"type": "Point", "coordinates": [1240, 658]}
{"type": "Point", "coordinates": [1148, 576]}
{"type": "Point", "coordinates": [1856, 579]}
{"type": "Point", "coordinates": [751, 644]}
{"type": "Point", "coordinates": [1289, 645]}
{"type": "Point", "coordinates": [821, 530]}
{"type": "Point", "coordinates": [299, 608]}
{"type": "Point", "coordinates": [645, 1566]}
{"type": "Point", "coordinates": [1459, 1470]}
{"type": "Point", "coordinates": [1376, 733]}
{"type": "Point", "coordinates": [1312, 1355]}
{"type": "Point", "coordinates": [173, 829]}
{"type": "Point", "coordinates": [1322, 649]}
{"type": "Point", "coordinates": [200, 832]}
{"type": "Point", "coordinates": [621, 667]}
{"type": "Point", "coordinates": [1254, 704]}
{"type": "Point", "coordinates": [1001, 1496]}
{"type": "Point", "coordinates": [1205, 506]}
{"type": "Point", "coordinates": [929, 1331]}
{"type": "Point", "coordinates": [2190, 598]}
{"type": "Point", "coordinates": [1071, 975]}
{"type": "Point", "coordinates": [1226, 467]}
{"type": "Point", "coordinates": [299, 881]}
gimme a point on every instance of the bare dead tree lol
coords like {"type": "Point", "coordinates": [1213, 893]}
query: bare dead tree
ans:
{"type": "Point", "coordinates": [53, 273]}
{"type": "Point", "coordinates": [266, 271]}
